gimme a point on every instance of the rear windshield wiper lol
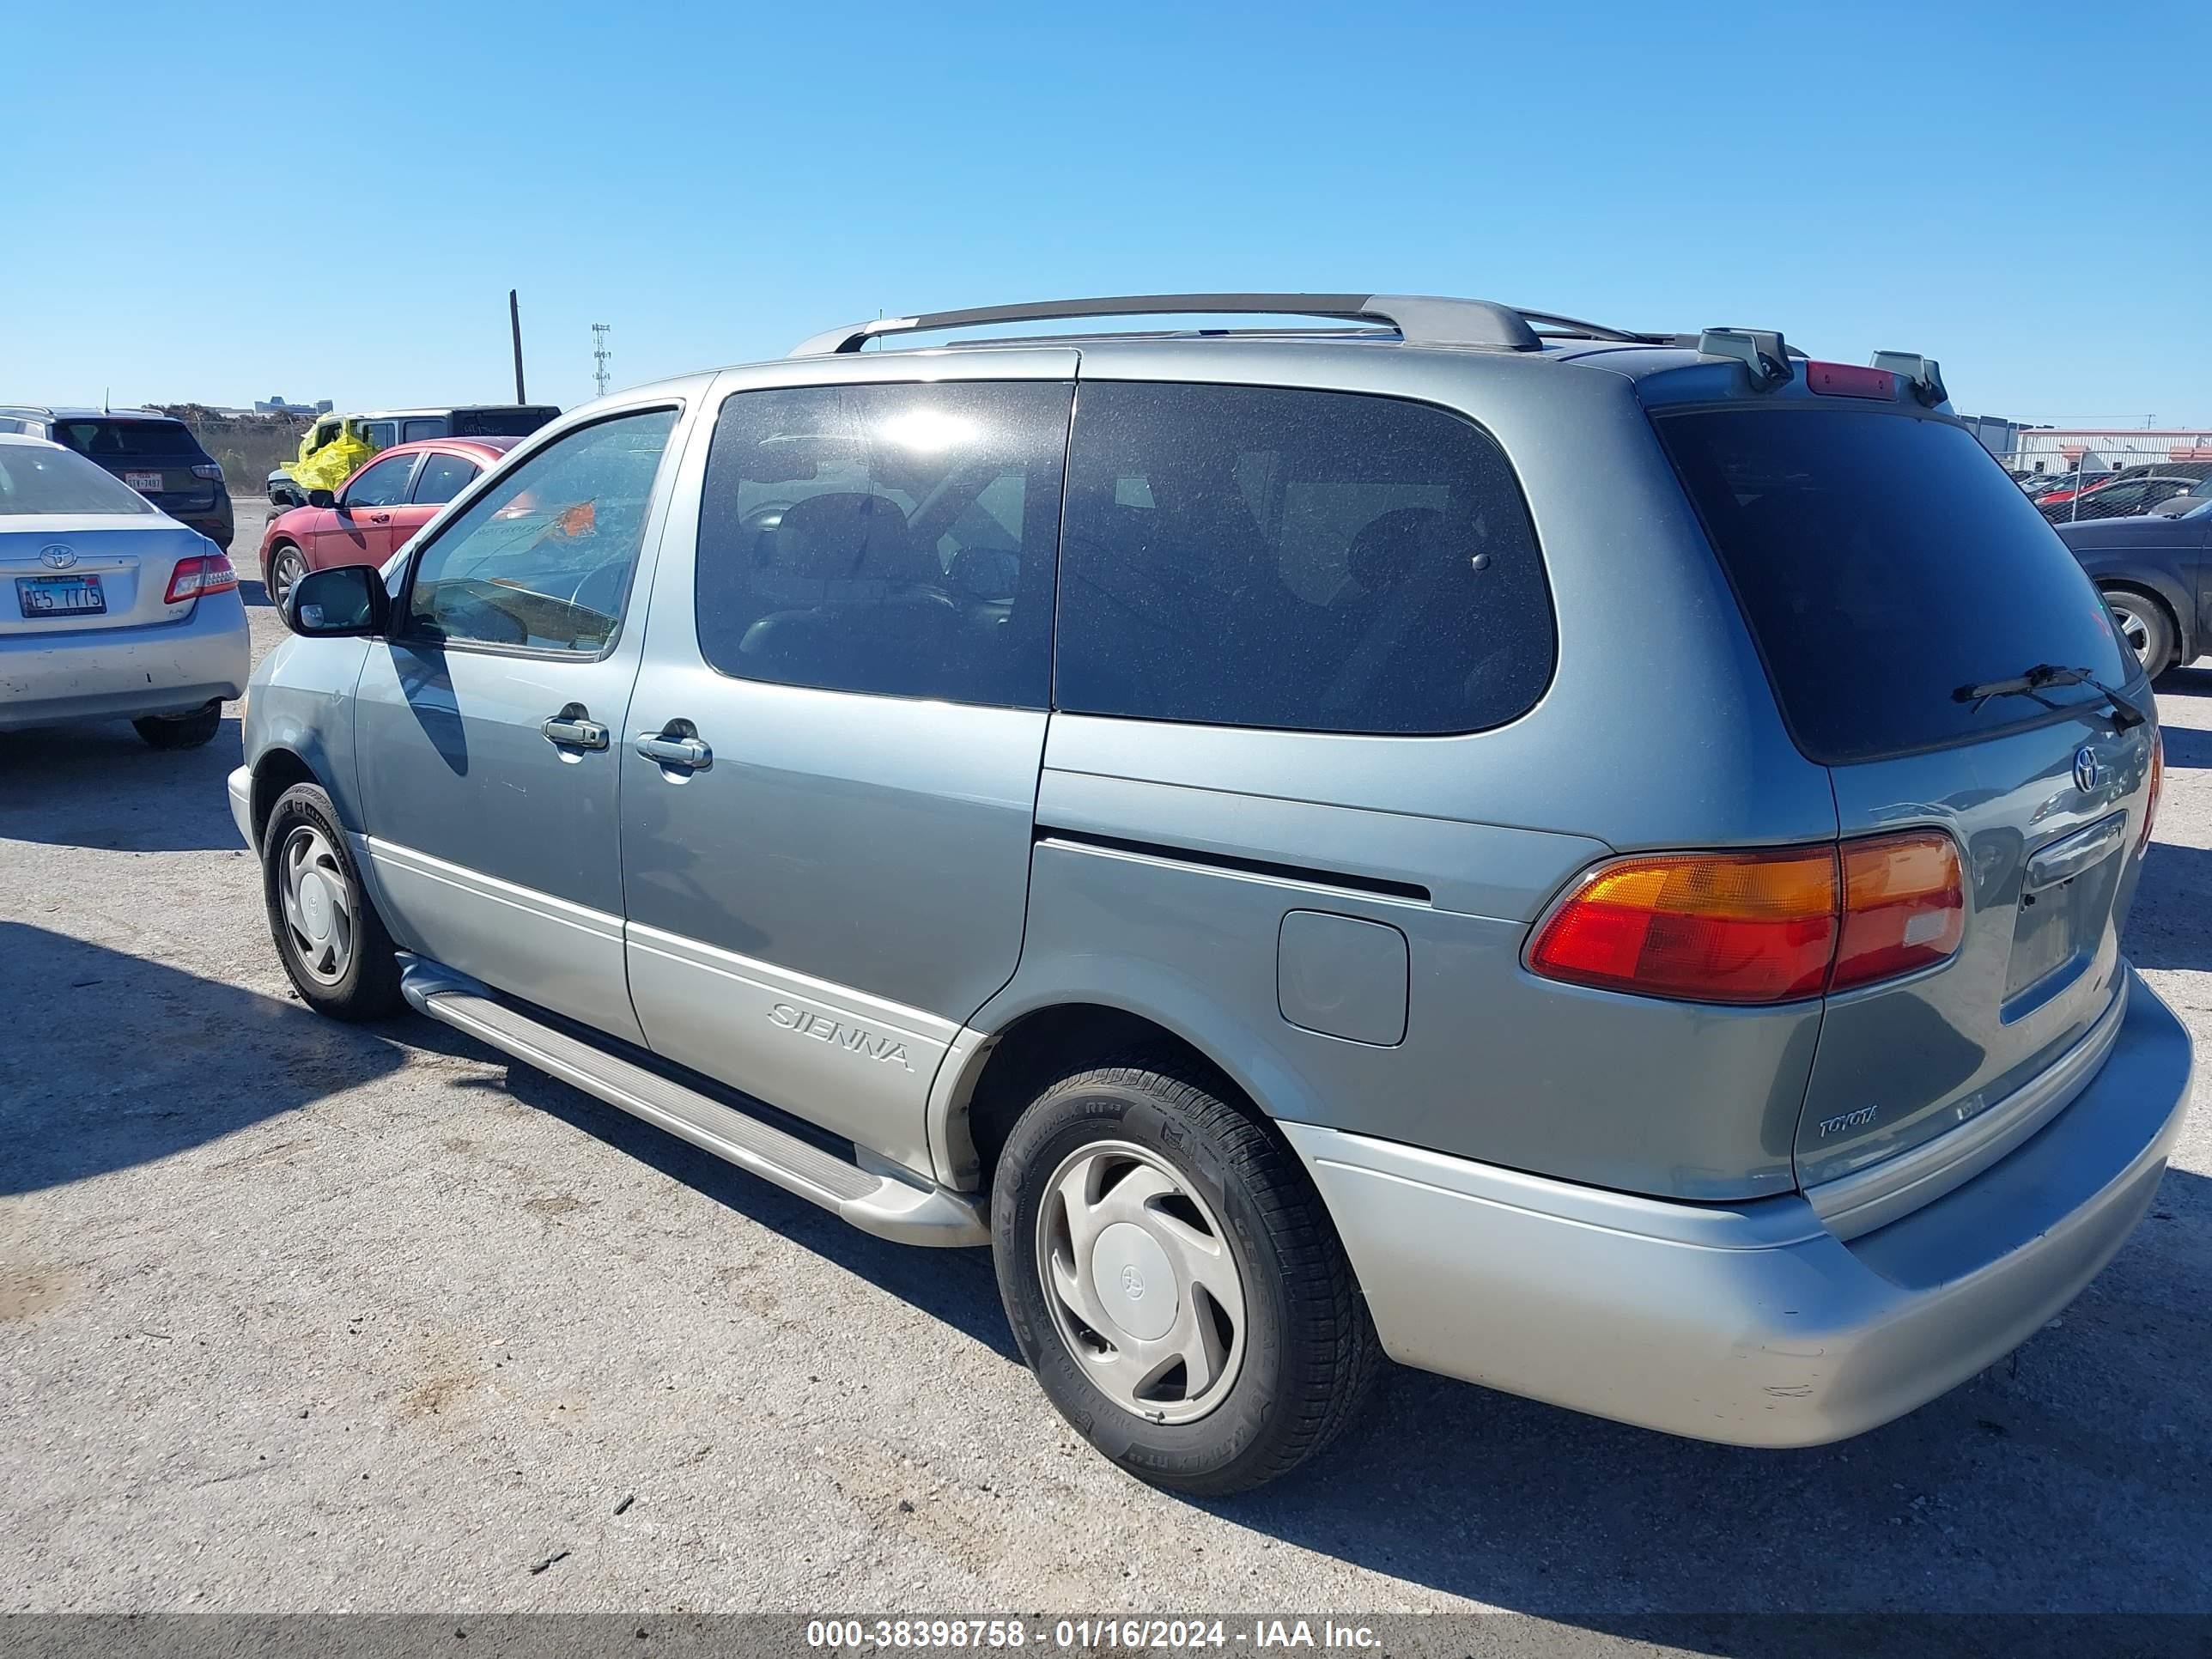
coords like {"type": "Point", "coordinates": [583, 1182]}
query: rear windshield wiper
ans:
{"type": "Point", "coordinates": [2126, 712]}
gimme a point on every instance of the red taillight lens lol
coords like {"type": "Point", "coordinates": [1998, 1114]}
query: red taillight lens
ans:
{"type": "Point", "coordinates": [1712, 927]}
{"type": "Point", "coordinates": [1752, 927]}
{"type": "Point", "coordinates": [1905, 907]}
{"type": "Point", "coordinates": [2157, 783]}
{"type": "Point", "coordinates": [1849, 380]}
{"type": "Point", "coordinates": [193, 578]}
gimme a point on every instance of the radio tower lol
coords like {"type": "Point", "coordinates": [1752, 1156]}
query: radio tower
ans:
{"type": "Point", "coordinates": [599, 355]}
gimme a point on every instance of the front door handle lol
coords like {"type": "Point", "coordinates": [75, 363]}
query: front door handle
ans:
{"type": "Point", "coordinates": [379, 518]}
{"type": "Point", "coordinates": [672, 747]}
{"type": "Point", "coordinates": [574, 728]}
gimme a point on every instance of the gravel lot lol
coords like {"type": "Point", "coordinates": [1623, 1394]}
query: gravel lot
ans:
{"type": "Point", "coordinates": [300, 1317]}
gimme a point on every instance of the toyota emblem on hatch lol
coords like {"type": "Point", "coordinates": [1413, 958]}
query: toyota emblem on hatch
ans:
{"type": "Point", "coordinates": [57, 556]}
{"type": "Point", "coordinates": [2086, 772]}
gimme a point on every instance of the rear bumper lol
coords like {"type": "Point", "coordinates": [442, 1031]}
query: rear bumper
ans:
{"type": "Point", "coordinates": [1751, 1324]}
{"type": "Point", "coordinates": [165, 668]}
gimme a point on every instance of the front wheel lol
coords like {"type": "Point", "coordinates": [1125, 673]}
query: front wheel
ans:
{"type": "Point", "coordinates": [328, 935]}
{"type": "Point", "coordinates": [1174, 1281]}
{"type": "Point", "coordinates": [287, 564]}
{"type": "Point", "coordinates": [2144, 625]}
{"type": "Point", "coordinates": [181, 731]}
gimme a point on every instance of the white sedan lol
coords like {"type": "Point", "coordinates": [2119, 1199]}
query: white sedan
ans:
{"type": "Point", "coordinates": [109, 609]}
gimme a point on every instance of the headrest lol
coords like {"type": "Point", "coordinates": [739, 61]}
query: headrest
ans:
{"type": "Point", "coordinates": [845, 536]}
{"type": "Point", "coordinates": [1392, 546]}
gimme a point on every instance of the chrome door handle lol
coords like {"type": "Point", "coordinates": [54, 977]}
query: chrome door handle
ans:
{"type": "Point", "coordinates": [688, 753]}
{"type": "Point", "coordinates": [574, 729]}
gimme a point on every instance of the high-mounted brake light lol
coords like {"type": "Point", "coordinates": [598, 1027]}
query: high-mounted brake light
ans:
{"type": "Point", "coordinates": [1757, 927]}
{"type": "Point", "coordinates": [195, 578]}
{"type": "Point", "coordinates": [2157, 783]}
{"type": "Point", "coordinates": [1849, 380]}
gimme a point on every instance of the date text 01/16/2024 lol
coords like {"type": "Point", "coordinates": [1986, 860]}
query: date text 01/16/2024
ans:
{"type": "Point", "coordinates": [1133, 1635]}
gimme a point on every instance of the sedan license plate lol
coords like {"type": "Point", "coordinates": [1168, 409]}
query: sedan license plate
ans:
{"type": "Point", "coordinates": [60, 596]}
{"type": "Point", "coordinates": [146, 484]}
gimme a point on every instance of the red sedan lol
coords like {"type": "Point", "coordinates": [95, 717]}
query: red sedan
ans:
{"type": "Point", "coordinates": [378, 509]}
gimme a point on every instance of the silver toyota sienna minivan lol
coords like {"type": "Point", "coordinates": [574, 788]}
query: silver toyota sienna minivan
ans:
{"type": "Point", "coordinates": [1585, 861]}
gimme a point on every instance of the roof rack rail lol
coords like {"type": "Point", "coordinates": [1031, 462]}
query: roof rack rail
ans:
{"type": "Point", "coordinates": [1420, 319]}
{"type": "Point", "coordinates": [1924, 374]}
{"type": "Point", "coordinates": [1576, 326]}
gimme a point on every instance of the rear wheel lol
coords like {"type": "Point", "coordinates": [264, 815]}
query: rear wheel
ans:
{"type": "Point", "coordinates": [1174, 1281]}
{"type": "Point", "coordinates": [287, 564]}
{"type": "Point", "coordinates": [332, 941]}
{"type": "Point", "coordinates": [2149, 630]}
{"type": "Point", "coordinates": [181, 731]}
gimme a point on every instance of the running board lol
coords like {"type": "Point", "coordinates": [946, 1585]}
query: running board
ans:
{"type": "Point", "coordinates": [908, 1212]}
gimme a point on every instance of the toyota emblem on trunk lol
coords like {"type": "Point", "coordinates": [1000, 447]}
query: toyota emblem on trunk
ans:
{"type": "Point", "coordinates": [2086, 772]}
{"type": "Point", "coordinates": [57, 556]}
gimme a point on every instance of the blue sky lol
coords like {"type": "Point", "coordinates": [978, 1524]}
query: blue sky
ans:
{"type": "Point", "coordinates": [219, 201]}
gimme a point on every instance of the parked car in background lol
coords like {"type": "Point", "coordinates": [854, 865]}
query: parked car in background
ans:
{"type": "Point", "coordinates": [2118, 498]}
{"type": "Point", "coordinates": [2065, 485]}
{"type": "Point", "coordinates": [2174, 506]}
{"type": "Point", "coordinates": [383, 428]}
{"type": "Point", "coordinates": [374, 512]}
{"type": "Point", "coordinates": [109, 608]}
{"type": "Point", "coordinates": [2155, 571]}
{"type": "Point", "coordinates": [1192, 837]}
{"type": "Point", "coordinates": [152, 453]}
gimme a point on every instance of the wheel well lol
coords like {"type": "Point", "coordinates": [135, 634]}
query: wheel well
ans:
{"type": "Point", "coordinates": [1054, 1042]}
{"type": "Point", "coordinates": [279, 770]}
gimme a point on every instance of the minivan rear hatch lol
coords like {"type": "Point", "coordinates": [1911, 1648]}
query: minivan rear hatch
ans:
{"type": "Point", "coordinates": [1885, 564]}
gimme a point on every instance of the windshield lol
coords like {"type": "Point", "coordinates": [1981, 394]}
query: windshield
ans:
{"type": "Point", "coordinates": [36, 478]}
{"type": "Point", "coordinates": [1883, 561]}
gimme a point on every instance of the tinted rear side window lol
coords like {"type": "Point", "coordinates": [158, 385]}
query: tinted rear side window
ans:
{"type": "Point", "coordinates": [1312, 561]}
{"type": "Point", "coordinates": [106, 440]}
{"type": "Point", "coordinates": [896, 540]}
{"type": "Point", "coordinates": [1883, 563]}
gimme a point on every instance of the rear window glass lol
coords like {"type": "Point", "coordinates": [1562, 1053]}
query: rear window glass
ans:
{"type": "Point", "coordinates": [1306, 560]}
{"type": "Point", "coordinates": [512, 420]}
{"type": "Point", "coordinates": [1883, 563]}
{"type": "Point", "coordinates": [104, 440]}
{"type": "Point", "coordinates": [36, 479]}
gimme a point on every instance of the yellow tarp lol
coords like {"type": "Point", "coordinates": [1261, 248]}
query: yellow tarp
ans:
{"type": "Point", "coordinates": [335, 462]}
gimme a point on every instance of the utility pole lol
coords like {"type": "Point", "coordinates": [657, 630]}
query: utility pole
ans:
{"type": "Point", "coordinates": [599, 355]}
{"type": "Point", "coordinates": [514, 324]}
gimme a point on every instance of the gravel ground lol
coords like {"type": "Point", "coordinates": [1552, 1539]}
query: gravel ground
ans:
{"type": "Point", "coordinates": [300, 1317]}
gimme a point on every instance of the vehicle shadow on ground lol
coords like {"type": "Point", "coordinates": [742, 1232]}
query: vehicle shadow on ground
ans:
{"type": "Point", "coordinates": [957, 1287]}
{"type": "Point", "coordinates": [98, 784]}
{"type": "Point", "coordinates": [2174, 897]}
{"type": "Point", "coordinates": [114, 1060]}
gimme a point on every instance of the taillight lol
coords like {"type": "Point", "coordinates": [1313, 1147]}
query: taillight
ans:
{"type": "Point", "coordinates": [2157, 783]}
{"type": "Point", "coordinates": [1905, 907]}
{"type": "Point", "coordinates": [1711, 926]}
{"type": "Point", "coordinates": [1756, 927]}
{"type": "Point", "coordinates": [211, 471]}
{"type": "Point", "coordinates": [209, 574]}
{"type": "Point", "coordinates": [1849, 380]}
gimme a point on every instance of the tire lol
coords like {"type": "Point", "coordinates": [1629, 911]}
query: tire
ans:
{"type": "Point", "coordinates": [1180, 1169]}
{"type": "Point", "coordinates": [181, 731]}
{"type": "Point", "coordinates": [336, 953]}
{"type": "Point", "coordinates": [2150, 630]}
{"type": "Point", "coordinates": [287, 564]}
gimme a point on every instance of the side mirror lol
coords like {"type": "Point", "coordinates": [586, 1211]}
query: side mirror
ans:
{"type": "Point", "coordinates": [347, 601]}
{"type": "Point", "coordinates": [322, 498]}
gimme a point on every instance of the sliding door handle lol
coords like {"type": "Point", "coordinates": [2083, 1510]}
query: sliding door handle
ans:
{"type": "Point", "coordinates": [687, 753]}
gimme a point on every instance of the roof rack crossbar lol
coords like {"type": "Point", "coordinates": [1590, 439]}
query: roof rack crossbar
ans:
{"type": "Point", "coordinates": [1420, 319]}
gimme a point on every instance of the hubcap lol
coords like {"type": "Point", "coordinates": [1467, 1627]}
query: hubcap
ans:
{"type": "Point", "coordinates": [1143, 1288]}
{"type": "Point", "coordinates": [319, 910]}
{"type": "Point", "coordinates": [288, 570]}
{"type": "Point", "coordinates": [2133, 629]}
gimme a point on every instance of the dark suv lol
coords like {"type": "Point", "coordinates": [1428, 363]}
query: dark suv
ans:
{"type": "Point", "coordinates": [156, 454]}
